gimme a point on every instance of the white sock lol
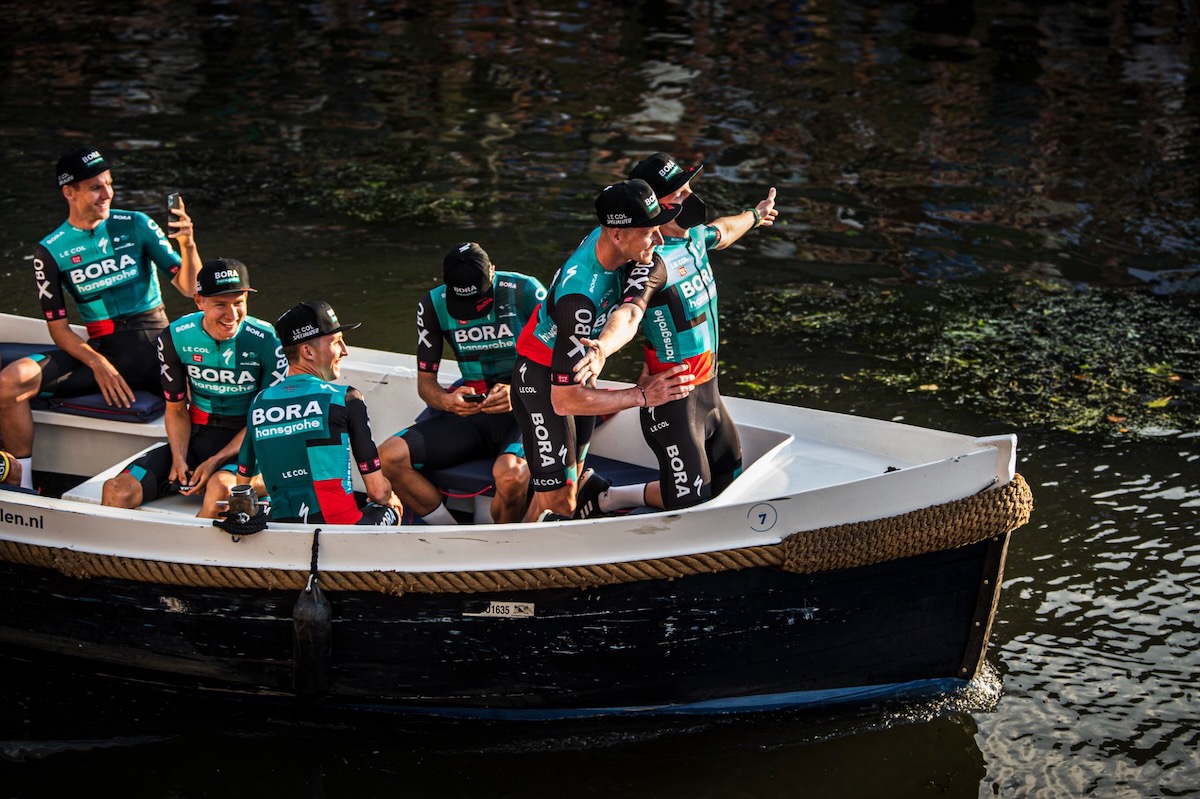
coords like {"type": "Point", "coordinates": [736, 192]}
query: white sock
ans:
{"type": "Point", "coordinates": [619, 497]}
{"type": "Point", "coordinates": [26, 471]}
{"type": "Point", "coordinates": [440, 515]}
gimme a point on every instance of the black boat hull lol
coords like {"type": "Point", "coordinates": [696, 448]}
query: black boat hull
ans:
{"type": "Point", "coordinates": [720, 642]}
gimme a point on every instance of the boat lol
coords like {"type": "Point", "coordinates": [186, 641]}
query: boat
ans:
{"type": "Point", "coordinates": [853, 559]}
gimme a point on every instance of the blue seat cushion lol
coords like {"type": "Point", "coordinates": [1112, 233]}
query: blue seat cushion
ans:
{"type": "Point", "coordinates": [10, 351]}
{"type": "Point", "coordinates": [475, 477]}
{"type": "Point", "coordinates": [146, 406]}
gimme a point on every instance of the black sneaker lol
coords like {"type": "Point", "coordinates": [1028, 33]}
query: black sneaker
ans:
{"type": "Point", "coordinates": [550, 516]}
{"type": "Point", "coordinates": [587, 500]}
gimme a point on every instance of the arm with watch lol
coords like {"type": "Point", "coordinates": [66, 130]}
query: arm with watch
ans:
{"type": "Point", "coordinates": [734, 226]}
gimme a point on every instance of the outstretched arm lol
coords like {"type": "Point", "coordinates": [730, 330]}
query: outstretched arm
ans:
{"type": "Point", "coordinates": [734, 227]}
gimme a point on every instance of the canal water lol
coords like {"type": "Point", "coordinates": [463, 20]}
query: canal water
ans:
{"type": "Point", "coordinates": [988, 224]}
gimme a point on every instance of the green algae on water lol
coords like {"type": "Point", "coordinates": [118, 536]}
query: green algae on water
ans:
{"type": "Point", "coordinates": [1113, 362]}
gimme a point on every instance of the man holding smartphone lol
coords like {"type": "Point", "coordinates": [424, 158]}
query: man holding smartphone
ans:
{"type": "Point", "coordinates": [478, 312]}
{"type": "Point", "coordinates": [106, 260]}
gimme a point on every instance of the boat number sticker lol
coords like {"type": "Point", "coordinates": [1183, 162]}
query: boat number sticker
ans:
{"type": "Point", "coordinates": [762, 517]}
{"type": "Point", "coordinates": [504, 610]}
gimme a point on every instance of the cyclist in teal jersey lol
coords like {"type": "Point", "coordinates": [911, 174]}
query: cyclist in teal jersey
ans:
{"type": "Point", "coordinates": [478, 313]}
{"type": "Point", "coordinates": [694, 439]}
{"type": "Point", "coordinates": [556, 414]}
{"type": "Point", "coordinates": [106, 260]}
{"type": "Point", "coordinates": [212, 363]}
{"type": "Point", "coordinates": [302, 431]}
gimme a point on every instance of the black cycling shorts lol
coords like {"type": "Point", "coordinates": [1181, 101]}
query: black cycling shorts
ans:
{"type": "Point", "coordinates": [134, 353]}
{"type": "Point", "coordinates": [554, 445]}
{"type": "Point", "coordinates": [440, 440]}
{"type": "Point", "coordinates": [153, 468]}
{"type": "Point", "coordinates": [696, 444]}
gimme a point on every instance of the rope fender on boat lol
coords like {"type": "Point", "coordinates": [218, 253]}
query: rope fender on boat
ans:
{"type": "Point", "coordinates": [312, 634]}
{"type": "Point", "coordinates": [954, 524]}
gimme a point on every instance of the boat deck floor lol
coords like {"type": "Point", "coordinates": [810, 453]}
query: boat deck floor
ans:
{"type": "Point", "coordinates": [468, 488]}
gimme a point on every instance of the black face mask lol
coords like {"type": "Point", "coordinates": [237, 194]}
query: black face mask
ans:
{"type": "Point", "coordinates": [692, 213]}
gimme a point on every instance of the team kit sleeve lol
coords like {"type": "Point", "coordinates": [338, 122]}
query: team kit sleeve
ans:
{"type": "Point", "coordinates": [156, 245]}
{"type": "Point", "coordinates": [171, 372]}
{"type": "Point", "coordinates": [643, 280]}
{"type": "Point", "coordinates": [358, 423]}
{"type": "Point", "coordinates": [49, 284]}
{"type": "Point", "coordinates": [273, 353]}
{"type": "Point", "coordinates": [247, 462]}
{"type": "Point", "coordinates": [532, 293]}
{"type": "Point", "coordinates": [575, 315]}
{"type": "Point", "coordinates": [429, 336]}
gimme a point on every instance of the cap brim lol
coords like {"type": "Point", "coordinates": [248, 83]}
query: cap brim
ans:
{"type": "Point", "coordinates": [323, 333]}
{"type": "Point", "coordinates": [687, 174]}
{"type": "Point", "coordinates": [226, 291]}
{"type": "Point", "coordinates": [89, 174]}
{"type": "Point", "coordinates": [665, 214]}
{"type": "Point", "coordinates": [468, 309]}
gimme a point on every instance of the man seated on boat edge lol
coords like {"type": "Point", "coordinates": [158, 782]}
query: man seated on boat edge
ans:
{"type": "Point", "coordinates": [557, 415]}
{"type": "Point", "coordinates": [302, 431]}
{"type": "Point", "coordinates": [105, 259]}
{"type": "Point", "coordinates": [694, 439]}
{"type": "Point", "coordinates": [477, 312]}
{"type": "Point", "coordinates": [230, 357]}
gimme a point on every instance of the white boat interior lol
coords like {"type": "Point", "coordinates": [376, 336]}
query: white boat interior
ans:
{"type": "Point", "coordinates": [812, 469]}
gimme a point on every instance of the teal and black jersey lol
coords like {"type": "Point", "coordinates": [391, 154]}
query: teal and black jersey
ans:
{"type": "Point", "coordinates": [220, 377]}
{"type": "Point", "coordinates": [300, 435]}
{"type": "Point", "coordinates": [680, 323]}
{"type": "Point", "coordinates": [485, 347]}
{"type": "Point", "coordinates": [581, 296]}
{"type": "Point", "coordinates": [108, 271]}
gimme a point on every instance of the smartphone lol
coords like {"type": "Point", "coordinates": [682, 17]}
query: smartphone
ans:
{"type": "Point", "coordinates": [172, 202]}
{"type": "Point", "coordinates": [474, 397]}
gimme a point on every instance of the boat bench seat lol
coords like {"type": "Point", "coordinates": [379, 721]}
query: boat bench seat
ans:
{"type": "Point", "coordinates": [113, 433]}
{"type": "Point", "coordinates": [146, 407]}
{"type": "Point", "coordinates": [468, 486]}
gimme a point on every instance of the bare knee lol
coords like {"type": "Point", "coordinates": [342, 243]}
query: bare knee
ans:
{"type": "Point", "coordinates": [19, 381]}
{"type": "Point", "coordinates": [395, 457]}
{"type": "Point", "coordinates": [216, 490]}
{"type": "Point", "coordinates": [219, 484]}
{"type": "Point", "coordinates": [122, 491]}
{"type": "Point", "coordinates": [510, 475]}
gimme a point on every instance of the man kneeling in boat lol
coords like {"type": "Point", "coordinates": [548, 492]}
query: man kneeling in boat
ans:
{"type": "Point", "coordinates": [693, 438]}
{"type": "Point", "coordinates": [478, 312]}
{"type": "Point", "coordinates": [301, 432]}
{"type": "Point", "coordinates": [212, 363]}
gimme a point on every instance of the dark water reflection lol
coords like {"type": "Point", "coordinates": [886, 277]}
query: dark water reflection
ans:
{"type": "Point", "coordinates": [92, 739]}
{"type": "Point", "coordinates": [340, 147]}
